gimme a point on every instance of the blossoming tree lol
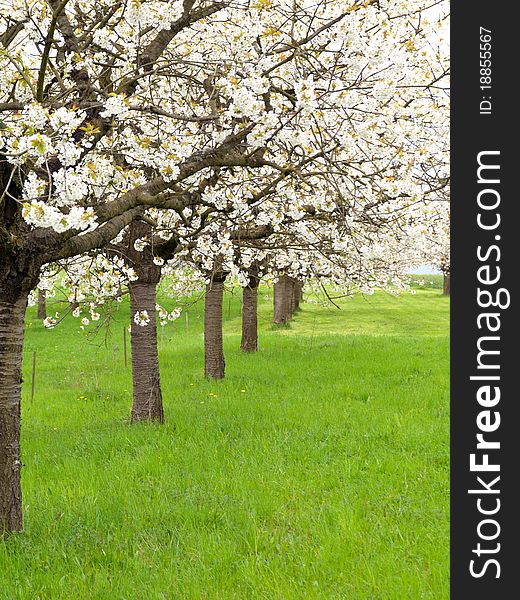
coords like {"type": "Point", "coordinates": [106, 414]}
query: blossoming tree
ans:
{"type": "Point", "coordinates": [110, 108]}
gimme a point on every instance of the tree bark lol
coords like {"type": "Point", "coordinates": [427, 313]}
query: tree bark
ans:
{"type": "Point", "coordinates": [146, 379]}
{"type": "Point", "coordinates": [42, 305]}
{"type": "Point", "coordinates": [147, 403]}
{"type": "Point", "coordinates": [249, 316]}
{"type": "Point", "coordinates": [214, 363]}
{"type": "Point", "coordinates": [446, 284]}
{"type": "Point", "coordinates": [299, 296]}
{"type": "Point", "coordinates": [283, 300]}
{"type": "Point", "coordinates": [20, 265]}
{"type": "Point", "coordinates": [12, 314]}
{"type": "Point", "coordinates": [297, 287]}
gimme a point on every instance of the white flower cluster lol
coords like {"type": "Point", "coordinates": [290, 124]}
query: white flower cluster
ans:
{"type": "Point", "coordinates": [165, 316]}
{"type": "Point", "coordinates": [154, 14]}
{"type": "Point", "coordinates": [141, 318]}
{"type": "Point", "coordinates": [116, 106]}
{"type": "Point", "coordinates": [50, 322]}
{"type": "Point", "coordinates": [140, 244]}
{"type": "Point", "coordinates": [39, 213]}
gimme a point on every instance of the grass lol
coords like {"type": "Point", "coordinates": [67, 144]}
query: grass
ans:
{"type": "Point", "coordinates": [318, 469]}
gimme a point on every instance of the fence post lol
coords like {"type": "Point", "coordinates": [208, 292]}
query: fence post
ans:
{"type": "Point", "coordinates": [124, 344]}
{"type": "Point", "coordinates": [33, 378]}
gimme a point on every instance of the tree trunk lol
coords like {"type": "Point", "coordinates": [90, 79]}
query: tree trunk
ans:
{"type": "Point", "coordinates": [42, 305]}
{"type": "Point", "coordinates": [294, 299]}
{"type": "Point", "coordinates": [446, 284]}
{"type": "Point", "coordinates": [12, 314]}
{"type": "Point", "coordinates": [214, 363]}
{"type": "Point", "coordinates": [298, 293]}
{"type": "Point", "coordinates": [146, 379]}
{"type": "Point", "coordinates": [19, 274]}
{"type": "Point", "coordinates": [249, 316]}
{"type": "Point", "coordinates": [147, 403]}
{"type": "Point", "coordinates": [292, 296]}
{"type": "Point", "coordinates": [283, 300]}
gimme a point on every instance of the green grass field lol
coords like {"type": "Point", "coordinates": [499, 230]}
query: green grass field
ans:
{"type": "Point", "coordinates": [318, 469]}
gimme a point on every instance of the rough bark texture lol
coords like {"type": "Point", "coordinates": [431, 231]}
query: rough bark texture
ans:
{"type": "Point", "coordinates": [19, 272]}
{"type": "Point", "coordinates": [298, 293]}
{"type": "Point", "coordinates": [11, 343]}
{"type": "Point", "coordinates": [446, 284]}
{"type": "Point", "coordinates": [249, 316]}
{"type": "Point", "coordinates": [146, 380]}
{"type": "Point", "coordinates": [283, 300]}
{"type": "Point", "coordinates": [295, 289]}
{"type": "Point", "coordinates": [147, 402]}
{"type": "Point", "coordinates": [214, 364]}
{"type": "Point", "coordinates": [42, 305]}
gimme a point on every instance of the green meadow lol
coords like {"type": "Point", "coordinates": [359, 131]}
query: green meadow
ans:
{"type": "Point", "coordinates": [318, 469]}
